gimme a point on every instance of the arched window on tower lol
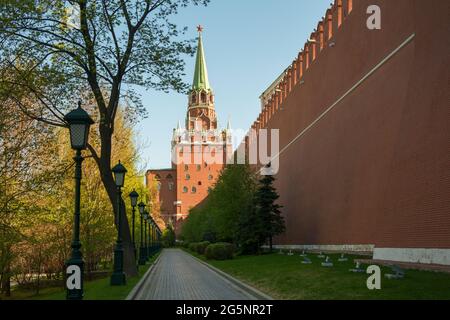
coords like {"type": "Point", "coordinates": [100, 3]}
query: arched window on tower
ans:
{"type": "Point", "coordinates": [194, 190]}
{"type": "Point", "coordinates": [185, 190]}
{"type": "Point", "coordinates": [203, 97]}
{"type": "Point", "coordinates": [194, 98]}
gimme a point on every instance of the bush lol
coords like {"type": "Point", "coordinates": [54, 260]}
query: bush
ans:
{"type": "Point", "coordinates": [168, 237]}
{"type": "Point", "coordinates": [193, 246]}
{"type": "Point", "coordinates": [220, 251]}
{"type": "Point", "coordinates": [199, 247]}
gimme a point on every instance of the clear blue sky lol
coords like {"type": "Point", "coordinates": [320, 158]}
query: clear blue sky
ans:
{"type": "Point", "coordinates": [248, 43]}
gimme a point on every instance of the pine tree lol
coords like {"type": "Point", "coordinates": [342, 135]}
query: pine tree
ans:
{"type": "Point", "coordinates": [268, 210]}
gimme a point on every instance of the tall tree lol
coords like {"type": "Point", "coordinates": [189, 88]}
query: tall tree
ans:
{"type": "Point", "coordinates": [61, 49]}
{"type": "Point", "coordinates": [268, 210]}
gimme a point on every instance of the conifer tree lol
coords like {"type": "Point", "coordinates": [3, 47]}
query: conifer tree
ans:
{"type": "Point", "coordinates": [268, 210]}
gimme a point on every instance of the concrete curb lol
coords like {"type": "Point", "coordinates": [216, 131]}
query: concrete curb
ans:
{"type": "Point", "coordinates": [243, 286]}
{"type": "Point", "coordinates": [137, 288]}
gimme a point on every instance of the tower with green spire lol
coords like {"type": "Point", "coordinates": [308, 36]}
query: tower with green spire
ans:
{"type": "Point", "coordinates": [200, 150]}
{"type": "Point", "coordinates": [201, 112]}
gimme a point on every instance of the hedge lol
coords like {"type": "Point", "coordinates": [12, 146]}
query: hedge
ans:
{"type": "Point", "coordinates": [220, 251]}
{"type": "Point", "coordinates": [199, 247]}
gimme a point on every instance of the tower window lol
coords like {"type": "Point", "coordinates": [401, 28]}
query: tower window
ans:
{"type": "Point", "coordinates": [185, 189]}
{"type": "Point", "coordinates": [194, 190]}
{"type": "Point", "coordinates": [188, 177]}
{"type": "Point", "coordinates": [199, 183]}
{"type": "Point", "coordinates": [210, 177]}
{"type": "Point", "coordinates": [203, 95]}
{"type": "Point", "coordinates": [186, 167]}
{"type": "Point", "coordinates": [199, 167]}
{"type": "Point", "coordinates": [194, 98]}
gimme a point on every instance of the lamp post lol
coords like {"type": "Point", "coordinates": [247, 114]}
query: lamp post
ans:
{"type": "Point", "coordinates": [152, 242]}
{"type": "Point", "coordinates": [134, 198]}
{"type": "Point", "coordinates": [145, 236]}
{"type": "Point", "coordinates": [79, 124]}
{"type": "Point", "coordinates": [118, 277]}
{"type": "Point", "coordinates": [141, 206]}
{"type": "Point", "coordinates": [159, 238]}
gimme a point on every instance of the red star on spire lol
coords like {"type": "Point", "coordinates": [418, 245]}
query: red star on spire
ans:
{"type": "Point", "coordinates": [199, 28]}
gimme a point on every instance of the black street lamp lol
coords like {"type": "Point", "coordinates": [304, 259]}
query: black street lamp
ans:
{"type": "Point", "coordinates": [152, 234]}
{"type": "Point", "coordinates": [79, 124]}
{"type": "Point", "coordinates": [141, 206]}
{"type": "Point", "coordinates": [134, 198]}
{"type": "Point", "coordinates": [118, 277]}
{"type": "Point", "coordinates": [145, 235]}
{"type": "Point", "coordinates": [152, 243]}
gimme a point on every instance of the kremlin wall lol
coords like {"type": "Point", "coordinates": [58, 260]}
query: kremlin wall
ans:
{"type": "Point", "coordinates": [364, 121]}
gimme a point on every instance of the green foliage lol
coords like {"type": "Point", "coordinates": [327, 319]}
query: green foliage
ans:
{"type": "Point", "coordinates": [268, 211]}
{"type": "Point", "coordinates": [217, 219]}
{"type": "Point", "coordinates": [199, 247]}
{"type": "Point", "coordinates": [220, 251]}
{"type": "Point", "coordinates": [240, 209]}
{"type": "Point", "coordinates": [54, 53]}
{"type": "Point", "coordinates": [168, 237]}
{"type": "Point", "coordinates": [36, 210]}
{"type": "Point", "coordinates": [67, 46]}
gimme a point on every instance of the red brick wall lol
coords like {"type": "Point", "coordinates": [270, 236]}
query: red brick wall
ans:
{"type": "Point", "coordinates": [198, 179]}
{"type": "Point", "coordinates": [376, 168]}
{"type": "Point", "coordinates": [165, 197]}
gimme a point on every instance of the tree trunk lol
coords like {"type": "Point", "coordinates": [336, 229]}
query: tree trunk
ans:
{"type": "Point", "coordinates": [38, 283]}
{"type": "Point", "coordinates": [270, 243]}
{"type": "Point", "coordinates": [129, 264]}
{"type": "Point", "coordinates": [6, 281]}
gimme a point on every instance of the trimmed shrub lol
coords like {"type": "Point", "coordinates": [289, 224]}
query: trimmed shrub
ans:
{"type": "Point", "coordinates": [199, 247]}
{"type": "Point", "coordinates": [193, 246]}
{"type": "Point", "coordinates": [220, 251]}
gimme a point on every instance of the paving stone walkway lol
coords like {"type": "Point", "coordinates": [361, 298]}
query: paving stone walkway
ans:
{"type": "Point", "coordinates": [179, 276]}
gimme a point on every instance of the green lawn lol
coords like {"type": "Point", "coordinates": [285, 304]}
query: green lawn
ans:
{"type": "Point", "coordinates": [285, 277]}
{"type": "Point", "coordinates": [93, 290]}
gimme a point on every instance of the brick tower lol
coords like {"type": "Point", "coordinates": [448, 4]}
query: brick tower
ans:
{"type": "Point", "coordinates": [199, 151]}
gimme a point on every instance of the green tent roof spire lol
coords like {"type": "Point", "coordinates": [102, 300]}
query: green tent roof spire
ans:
{"type": "Point", "coordinates": [201, 81]}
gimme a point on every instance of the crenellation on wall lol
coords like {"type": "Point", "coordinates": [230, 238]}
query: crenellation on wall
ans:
{"type": "Point", "coordinates": [328, 25]}
{"type": "Point", "coordinates": [339, 13]}
{"type": "Point", "coordinates": [320, 35]}
{"type": "Point", "coordinates": [326, 28]}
